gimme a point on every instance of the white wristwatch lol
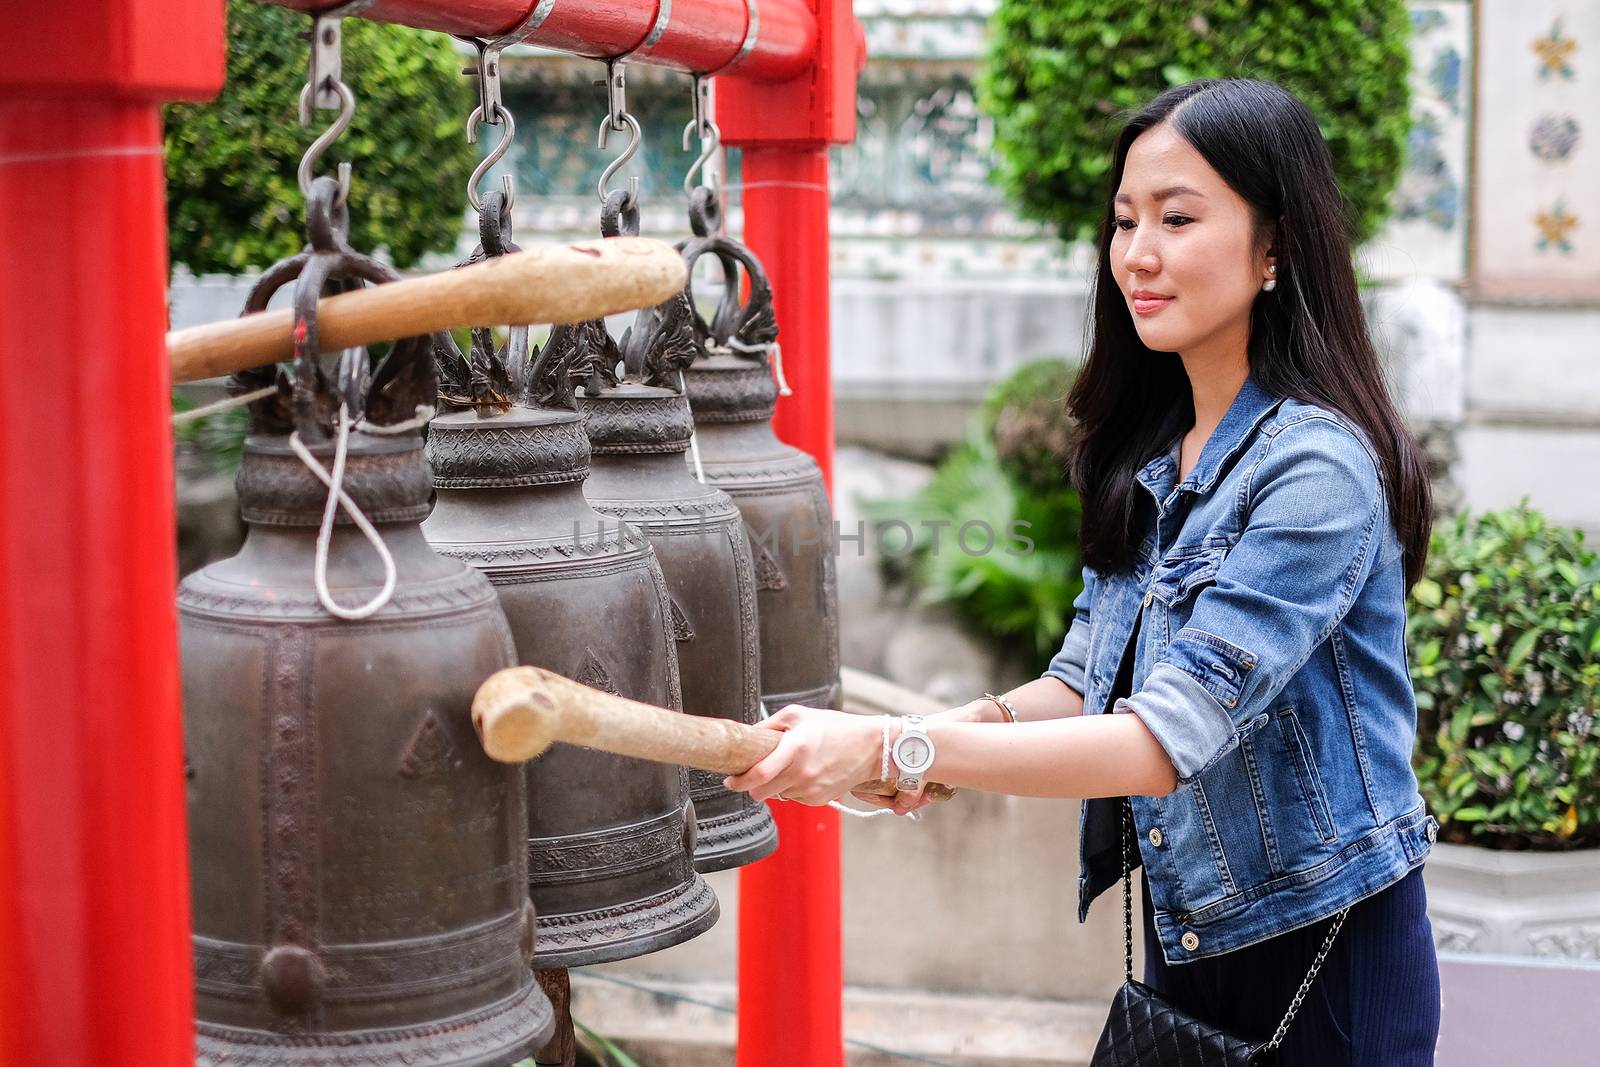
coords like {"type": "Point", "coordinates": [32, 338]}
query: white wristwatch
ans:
{"type": "Point", "coordinates": [913, 752]}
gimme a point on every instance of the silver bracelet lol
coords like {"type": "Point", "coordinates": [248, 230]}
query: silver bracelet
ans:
{"type": "Point", "coordinates": [1005, 706]}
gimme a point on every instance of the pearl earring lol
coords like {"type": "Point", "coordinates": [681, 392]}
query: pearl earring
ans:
{"type": "Point", "coordinates": [1271, 283]}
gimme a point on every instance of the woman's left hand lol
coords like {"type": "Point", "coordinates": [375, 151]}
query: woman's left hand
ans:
{"type": "Point", "coordinates": [821, 755]}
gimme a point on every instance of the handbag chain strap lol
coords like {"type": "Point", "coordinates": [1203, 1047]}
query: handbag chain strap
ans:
{"type": "Point", "coordinates": [1127, 933]}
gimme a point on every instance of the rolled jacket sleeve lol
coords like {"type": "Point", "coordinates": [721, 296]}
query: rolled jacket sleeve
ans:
{"type": "Point", "coordinates": [1068, 663]}
{"type": "Point", "coordinates": [1313, 507]}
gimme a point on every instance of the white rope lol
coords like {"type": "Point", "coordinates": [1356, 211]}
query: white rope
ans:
{"type": "Point", "coordinates": [424, 413]}
{"type": "Point", "coordinates": [775, 185]}
{"type": "Point", "coordinates": [223, 405]}
{"type": "Point", "coordinates": [103, 152]}
{"type": "Point", "coordinates": [777, 367]}
{"type": "Point", "coordinates": [844, 809]}
{"type": "Point", "coordinates": [694, 445]}
{"type": "Point", "coordinates": [337, 496]}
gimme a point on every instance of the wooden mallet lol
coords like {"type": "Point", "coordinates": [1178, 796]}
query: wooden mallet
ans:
{"type": "Point", "coordinates": [520, 711]}
{"type": "Point", "coordinates": [554, 284]}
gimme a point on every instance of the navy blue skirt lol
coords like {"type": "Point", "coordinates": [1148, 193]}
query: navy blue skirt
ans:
{"type": "Point", "coordinates": [1375, 1003]}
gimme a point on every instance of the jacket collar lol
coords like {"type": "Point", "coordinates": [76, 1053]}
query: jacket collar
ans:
{"type": "Point", "coordinates": [1250, 405]}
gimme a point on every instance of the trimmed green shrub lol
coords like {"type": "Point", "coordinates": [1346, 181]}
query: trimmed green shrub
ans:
{"type": "Point", "coordinates": [233, 201]}
{"type": "Point", "coordinates": [1504, 633]}
{"type": "Point", "coordinates": [1020, 588]}
{"type": "Point", "coordinates": [1025, 416]}
{"type": "Point", "coordinates": [1058, 74]}
{"type": "Point", "coordinates": [217, 439]}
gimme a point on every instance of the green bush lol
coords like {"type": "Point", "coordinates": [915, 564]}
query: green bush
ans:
{"type": "Point", "coordinates": [1025, 416]}
{"type": "Point", "coordinates": [1504, 632]}
{"type": "Point", "coordinates": [1020, 590]}
{"type": "Point", "coordinates": [1057, 75]}
{"type": "Point", "coordinates": [217, 439]}
{"type": "Point", "coordinates": [233, 201]}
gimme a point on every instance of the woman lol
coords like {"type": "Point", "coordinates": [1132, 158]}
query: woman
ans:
{"type": "Point", "coordinates": [1254, 511]}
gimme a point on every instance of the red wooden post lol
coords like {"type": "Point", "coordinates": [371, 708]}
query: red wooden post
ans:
{"type": "Point", "coordinates": [790, 949]}
{"type": "Point", "coordinates": [790, 946]}
{"type": "Point", "coordinates": [94, 887]}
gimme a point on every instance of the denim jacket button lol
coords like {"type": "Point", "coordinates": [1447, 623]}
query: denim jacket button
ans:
{"type": "Point", "coordinates": [1149, 596]}
{"type": "Point", "coordinates": [1156, 836]}
{"type": "Point", "coordinates": [1433, 829]}
{"type": "Point", "coordinates": [1189, 940]}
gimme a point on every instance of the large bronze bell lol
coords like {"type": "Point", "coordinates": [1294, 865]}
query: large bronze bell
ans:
{"type": "Point", "coordinates": [358, 863]}
{"type": "Point", "coordinates": [611, 839]}
{"type": "Point", "coordinates": [639, 429]}
{"type": "Point", "coordinates": [778, 489]}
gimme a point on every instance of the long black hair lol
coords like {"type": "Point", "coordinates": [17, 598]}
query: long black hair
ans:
{"type": "Point", "coordinates": [1308, 339]}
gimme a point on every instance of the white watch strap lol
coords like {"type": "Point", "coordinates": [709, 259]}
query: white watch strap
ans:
{"type": "Point", "coordinates": [909, 724]}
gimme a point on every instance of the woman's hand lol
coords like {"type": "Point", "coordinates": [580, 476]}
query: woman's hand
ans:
{"type": "Point", "coordinates": [904, 802]}
{"type": "Point", "coordinates": [821, 756]}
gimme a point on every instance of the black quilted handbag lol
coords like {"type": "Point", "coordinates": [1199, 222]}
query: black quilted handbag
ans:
{"type": "Point", "coordinates": [1143, 1030]}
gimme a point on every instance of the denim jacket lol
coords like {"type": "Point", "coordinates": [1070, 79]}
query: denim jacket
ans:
{"type": "Point", "coordinates": [1270, 664]}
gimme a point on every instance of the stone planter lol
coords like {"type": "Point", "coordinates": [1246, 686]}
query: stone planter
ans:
{"type": "Point", "coordinates": [1543, 904]}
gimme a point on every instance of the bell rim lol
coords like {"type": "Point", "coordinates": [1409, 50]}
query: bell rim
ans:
{"type": "Point", "coordinates": [636, 419]}
{"type": "Point", "coordinates": [732, 390]}
{"type": "Point", "coordinates": [735, 839]}
{"type": "Point", "coordinates": [694, 896]}
{"type": "Point", "coordinates": [386, 474]}
{"type": "Point", "coordinates": [236, 1046]}
{"type": "Point", "coordinates": [554, 450]}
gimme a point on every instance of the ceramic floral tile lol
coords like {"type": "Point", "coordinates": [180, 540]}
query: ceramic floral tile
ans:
{"type": "Point", "coordinates": [1538, 158]}
{"type": "Point", "coordinates": [1426, 234]}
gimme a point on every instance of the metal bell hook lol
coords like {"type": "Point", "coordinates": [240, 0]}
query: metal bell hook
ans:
{"type": "Point", "coordinates": [635, 138]}
{"type": "Point", "coordinates": [507, 185]}
{"type": "Point", "coordinates": [710, 141]}
{"type": "Point", "coordinates": [347, 112]}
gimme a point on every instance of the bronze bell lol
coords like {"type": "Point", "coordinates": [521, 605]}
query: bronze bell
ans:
{"type": "Point", "coordinates": [778, 489]}
{"type": "Point", "coordinates": [638, 431]}
{"type": "Point", "coordinates": [357, 861]}
{"type": "Point", "coordinates": [611, 839]}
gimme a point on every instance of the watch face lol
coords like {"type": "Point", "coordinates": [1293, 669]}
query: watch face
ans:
{"type": "Point", "coordinates": [913, 753]}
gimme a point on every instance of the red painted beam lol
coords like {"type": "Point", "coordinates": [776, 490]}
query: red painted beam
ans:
{"type": "Point", "coordinates": [700, 36]}
{"type": "Point", "coordinates": [817, 107]}
{"type": "Point", "coordinates": [94, 884]}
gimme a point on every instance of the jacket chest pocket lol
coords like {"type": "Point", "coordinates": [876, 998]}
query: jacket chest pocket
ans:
{"type": "Point", "coordinates": [1174, 585]}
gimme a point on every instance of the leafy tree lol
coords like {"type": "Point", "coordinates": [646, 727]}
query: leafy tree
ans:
{"type": "Point", "coordinates": [1059, 75]}
{"type": "Point", "coordinates": [233, 201]}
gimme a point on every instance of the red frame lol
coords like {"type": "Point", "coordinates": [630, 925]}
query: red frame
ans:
{"type": "Point", "coordinates": [94, 950]}
{"type": "Point", "coordinates": [94, 885]}
{"type": "Point", "coordinates": [703, 36]}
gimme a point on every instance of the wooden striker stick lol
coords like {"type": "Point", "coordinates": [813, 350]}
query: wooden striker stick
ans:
{"type": "Point", "coordinates": [520, 711]}
{"type": "Point", "coordinates": [555, 284]}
